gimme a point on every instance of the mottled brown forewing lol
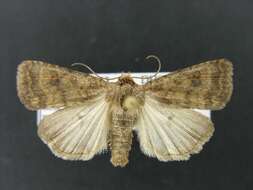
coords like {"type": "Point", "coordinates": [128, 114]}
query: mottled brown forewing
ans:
{"type": "Point", "coordinates": [205, 86]}
{"type": "Point", "coordinates": [42, 85]}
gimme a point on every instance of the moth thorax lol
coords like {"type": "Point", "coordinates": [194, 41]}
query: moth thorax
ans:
{"type": "Point", "coordinates": [121, 137]}
{"type": "Point", "coordinates": [130, 103]}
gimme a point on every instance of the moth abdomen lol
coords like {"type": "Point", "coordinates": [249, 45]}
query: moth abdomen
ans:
{"type": "Point", "coordinates": [121, 136]}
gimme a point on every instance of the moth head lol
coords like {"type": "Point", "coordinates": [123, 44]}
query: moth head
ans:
{"type": "Point", "coordinates": [126, 78]}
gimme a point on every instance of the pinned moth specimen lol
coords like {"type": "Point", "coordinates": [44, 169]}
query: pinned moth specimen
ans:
{"type": "Point", "coordinates": [95, 115]}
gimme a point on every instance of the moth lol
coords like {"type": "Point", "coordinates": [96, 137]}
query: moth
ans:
{"type": "Point", "coordinates": [95, 115]}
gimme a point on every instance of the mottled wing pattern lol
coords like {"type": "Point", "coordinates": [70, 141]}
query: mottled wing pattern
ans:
{"type": "Point", "coordinates": [205, 86]}
{"type": "Point", "coordinates": [77, 132]}
{"type": "Point", "coordinates": [42, 85]}
{"type": "Point", "coordinates": [171, 133]}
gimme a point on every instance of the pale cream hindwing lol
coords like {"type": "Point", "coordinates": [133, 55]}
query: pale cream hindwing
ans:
{"type": "Point", "coordinates": [79, 132]}
{"type": "Point", "coordinates": [171, 133]}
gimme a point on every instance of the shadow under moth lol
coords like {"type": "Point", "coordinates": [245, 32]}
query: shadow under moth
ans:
{"type": "Point", "coordinates": [95, 114]}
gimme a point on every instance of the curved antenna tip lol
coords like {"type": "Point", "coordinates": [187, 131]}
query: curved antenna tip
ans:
{"type": "Point", "coordinates": [158, 70]}
{"type": "Point", "coordinates": [158, 61]}
{"type": "Point", "coordinates": [93, 72]}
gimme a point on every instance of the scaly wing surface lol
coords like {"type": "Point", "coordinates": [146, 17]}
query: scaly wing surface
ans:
{"type": "Point", "coordinates": [78, 132]}
{"type": "Point", "coordinates": [41, 85]}
{"type": "Point", "coordinates": [169, 133]}
{"type": "Point", "coordinates": [204, 86]}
